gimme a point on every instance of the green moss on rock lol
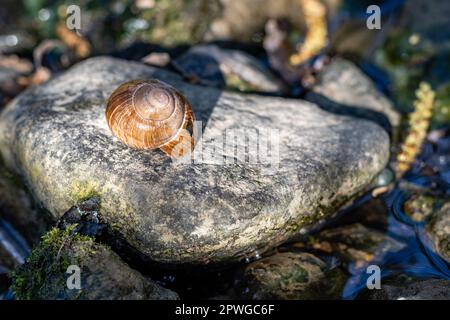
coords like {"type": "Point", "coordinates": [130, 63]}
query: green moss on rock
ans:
{"type": "Point", "coordinates": [46, 260]}
{"type": "Point", "coordinates": [103, 274]}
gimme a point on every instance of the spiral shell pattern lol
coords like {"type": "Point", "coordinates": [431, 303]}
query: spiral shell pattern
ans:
{"type": "Point", "coordinates": [147, 114]}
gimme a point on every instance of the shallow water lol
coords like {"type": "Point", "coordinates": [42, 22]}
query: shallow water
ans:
{"type": "Point", "coordinates": [429, 175]}
{"type": "Point", "coordinates": [418, 258]}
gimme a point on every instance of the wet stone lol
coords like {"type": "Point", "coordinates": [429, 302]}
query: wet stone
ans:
{"type": "Point", "coordinates": [291, 275]}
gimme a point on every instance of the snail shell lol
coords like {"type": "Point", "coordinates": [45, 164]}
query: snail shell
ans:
{"type": "Point", "coordinates": [150, 114]}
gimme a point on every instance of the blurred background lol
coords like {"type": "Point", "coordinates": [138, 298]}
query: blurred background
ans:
{"type": "Point", "coordinates": [411, 46]}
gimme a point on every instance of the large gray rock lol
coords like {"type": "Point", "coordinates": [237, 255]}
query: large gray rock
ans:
{"type": "Point", "coordinates": [55, 135]}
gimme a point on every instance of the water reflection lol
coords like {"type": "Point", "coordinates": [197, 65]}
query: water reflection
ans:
{"type": "Point", "coordinates": [13, 243]}
{"type": "Point", "coordinates": [417, 258]}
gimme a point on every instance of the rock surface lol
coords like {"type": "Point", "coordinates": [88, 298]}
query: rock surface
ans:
{"type": "Point", "coordinates": [213, 66]}
{"type": "Point", "coordinates": [103, 275]}
{"type": "Point", "coordinates": [342, 88]}
{"type": "Point", "coordinates": [291, 275]}
{"type": "Point", "coordinates": [55, 135]}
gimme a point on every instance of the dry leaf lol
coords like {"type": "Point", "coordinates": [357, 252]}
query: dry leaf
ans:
{"type": "Point", "coordinates": [78, 44]}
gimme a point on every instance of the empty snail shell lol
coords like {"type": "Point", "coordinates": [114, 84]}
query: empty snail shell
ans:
{"type": "Point", "coordinates": [150, 114]}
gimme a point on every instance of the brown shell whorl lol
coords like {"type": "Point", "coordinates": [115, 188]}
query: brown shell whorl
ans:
{"type": "Point", "coordinates": [149, 114]}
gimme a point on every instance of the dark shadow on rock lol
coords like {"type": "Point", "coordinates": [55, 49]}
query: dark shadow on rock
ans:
{"type": "Point", "coordinates": [221, 67]}
{"type": "Point", "coordinates": [184, 279]}
{"type": "Point", "coordinates": [349, 110]}
{"type": "Point", "coordinates": [200, 68]}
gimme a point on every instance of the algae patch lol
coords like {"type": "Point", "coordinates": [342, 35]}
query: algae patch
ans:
{"type": "Point", "coordinates": [47, 260]}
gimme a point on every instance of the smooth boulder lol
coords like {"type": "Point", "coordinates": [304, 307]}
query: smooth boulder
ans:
{"type": "Point", "coordinates": [56, 137]}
